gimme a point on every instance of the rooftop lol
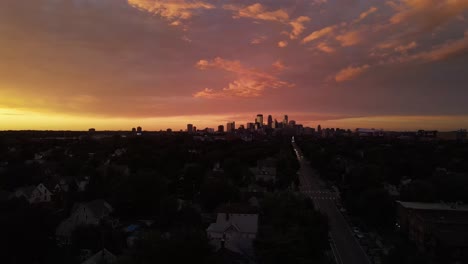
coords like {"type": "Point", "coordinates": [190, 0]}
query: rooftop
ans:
{"type": "Point", "coordinates": [434, 206]}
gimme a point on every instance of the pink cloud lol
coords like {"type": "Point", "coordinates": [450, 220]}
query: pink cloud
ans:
{"type": "Point", "coordinates": [251, 82]}
{"type": "Point", "coordinates": [350, 73]}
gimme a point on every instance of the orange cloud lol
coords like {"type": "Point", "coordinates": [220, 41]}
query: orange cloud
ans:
{"type": "Point", "coordinates": [325, 48]}
{"type": "Point", "coordinates": [406, 48]}
{"type": "Point", "coordinates": [175, 11]}
{"type": "Point", "coordinates": [250, 83]}
{"type": "Point", "coordinates": [279, 66]}
{"type": "Point", "coordinates": [350, 73]}
{"type": "Point", "coordinates": [298, 26]}
{"type": "Point", "coordinates": [259, 12]}
{"type": "Point", "coordinates": [319, 34]}
{"type": "Point", "coordinates": [282, 44]}
{"type": "Point", "coordinates": [365, 14]}
{"type": "Point", "coordinates": [350, 38]}
{"type": "Point", "coordinates": [427, 14]}
{"type": "Point", "coordinates": [258, 40]}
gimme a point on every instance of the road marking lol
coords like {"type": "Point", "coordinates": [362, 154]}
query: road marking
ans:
{"type": "Point", "coordinates": [334, 248]}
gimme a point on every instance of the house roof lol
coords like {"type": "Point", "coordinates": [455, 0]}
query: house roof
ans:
{"type": "Point", "coordinates": [434, 206]}
{"type": "Point", "coordinates": [237, 208]}
{"type": "Point", "coordinates": [100, 257]}
{"type": "Point", "coordinates": [244, 223]}
{"type": "Point", "coordinates": [98, 207]}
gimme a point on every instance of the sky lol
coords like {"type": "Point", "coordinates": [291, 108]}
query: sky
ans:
{"type": "Point", "coordinates": [118, 64]}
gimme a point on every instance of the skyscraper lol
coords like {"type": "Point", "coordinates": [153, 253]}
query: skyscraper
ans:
{"type": "Point", "coordinates": [230, 127]}
{"type": "Point", "coordinates": [286, 120]}
{"type": "Point", "coordinates": [189, 128]}
{"type": "Point", "coordinates": [259, 120]}
{"type": "Point", "coordinates": [270, 121]}
{"type": "Point", "coordinates": [221, 129]}
{"type": "Point", "coordinates": [319, 129]}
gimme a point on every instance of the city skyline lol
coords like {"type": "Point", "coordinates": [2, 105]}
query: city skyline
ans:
{"type": "Point", "coordinates": [114, 64]}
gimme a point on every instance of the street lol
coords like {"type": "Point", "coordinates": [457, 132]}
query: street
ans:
{"type": "Point", "coordinates": [344, 245]}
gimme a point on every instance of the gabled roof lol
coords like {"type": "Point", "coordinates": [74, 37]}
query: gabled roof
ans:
{"type": "Point", "coordinates": [243, 223]}
{"type": "Point", "coordinates": [100, 257]}
{"type": "Point", "coordinates": [99, 207]}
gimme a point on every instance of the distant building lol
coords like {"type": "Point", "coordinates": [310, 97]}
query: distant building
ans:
{"type": "Point", "coordinates": [286, 120]}
{"type": "Point", "coordinates": [427, 134]}
{"type": "Point", "coordinates": [133, 130]}
{"type": "Point", "coordinates": [270, 121]}
{"type": "Point", "coordinates": [436, 228]}
{"type": "Point", "coordinates": [292, 123]}
{"type": "Point", "coordinates": [139, 131]}
{"type": "Point", "coordinates": [372, 132]}
{"type": "Point", "coordinates": [250, 126]}
{"type": "Point", "coordinates": [190, 128]}
{"type": "Point", "coordinates": [230, 127]}
{"type": "Point", "coordinates": [259, 120]}
{"type": "Point", "coordinates": [221, 129]}
{"type": "Point", "coordinates": [319, 129]}
{"type": "Point", "coordinates": [91, 130]}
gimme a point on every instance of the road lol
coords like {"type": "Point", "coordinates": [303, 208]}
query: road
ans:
{"type": "Point", "coordinates": [344, 245]}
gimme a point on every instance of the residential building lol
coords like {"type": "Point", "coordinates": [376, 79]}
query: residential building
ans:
{"type": "Point", "coordinates": [235, 228]}
{"type": "Point", "coordinates": [265, 170]}
{"type": "Point", "coordinates": [103, 256]}
{"type": "Point", "coordinates": [91, 213]}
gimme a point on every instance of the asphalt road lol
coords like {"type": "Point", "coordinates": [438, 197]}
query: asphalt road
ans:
{"type": "Point", "coordinates": [344, 245]}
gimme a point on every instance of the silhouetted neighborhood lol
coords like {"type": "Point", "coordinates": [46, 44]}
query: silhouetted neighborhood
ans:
{"type": "Point", "coordinates": [266, 192]}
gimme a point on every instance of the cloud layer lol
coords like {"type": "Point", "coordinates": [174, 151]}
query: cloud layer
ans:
{"type": "Point", "coordinates": [161, 59]}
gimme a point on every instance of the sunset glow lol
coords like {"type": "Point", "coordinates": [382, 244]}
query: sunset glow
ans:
{"type": "Point", "coordinates": [117, 64]}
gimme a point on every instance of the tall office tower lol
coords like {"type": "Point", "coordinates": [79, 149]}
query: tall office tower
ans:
{"type": "Point", "coordinates": [189, 128]}
{"type": "Point", "coordinates": [286, 120]}
{"type": "Point", "coordinates": [319, 129]}
{"type": "Point", "coordinates": [221, 129]}
{"type": "Point", "coordinates": [259, 120]}
{"type": "Point", "coordinates": [270, 121]}
{"type": "Point", "coordinates": [275, 124]}
{"type": "Point", "coordinates": [231, 127]}
{"type": "Point", "coordinates": [139, 129]}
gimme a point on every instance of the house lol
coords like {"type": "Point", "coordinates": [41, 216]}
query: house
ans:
{"type": "Point", "coordinates": [103, 256]}
{"type": "Point", "coordinates": [235, 229]}
{"type": "Point", "coordinates": [42, 194]}
{"type": "Point", "coordinates": [91, 213]}
{"type": "Point", "coordinates": [265, 170]}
